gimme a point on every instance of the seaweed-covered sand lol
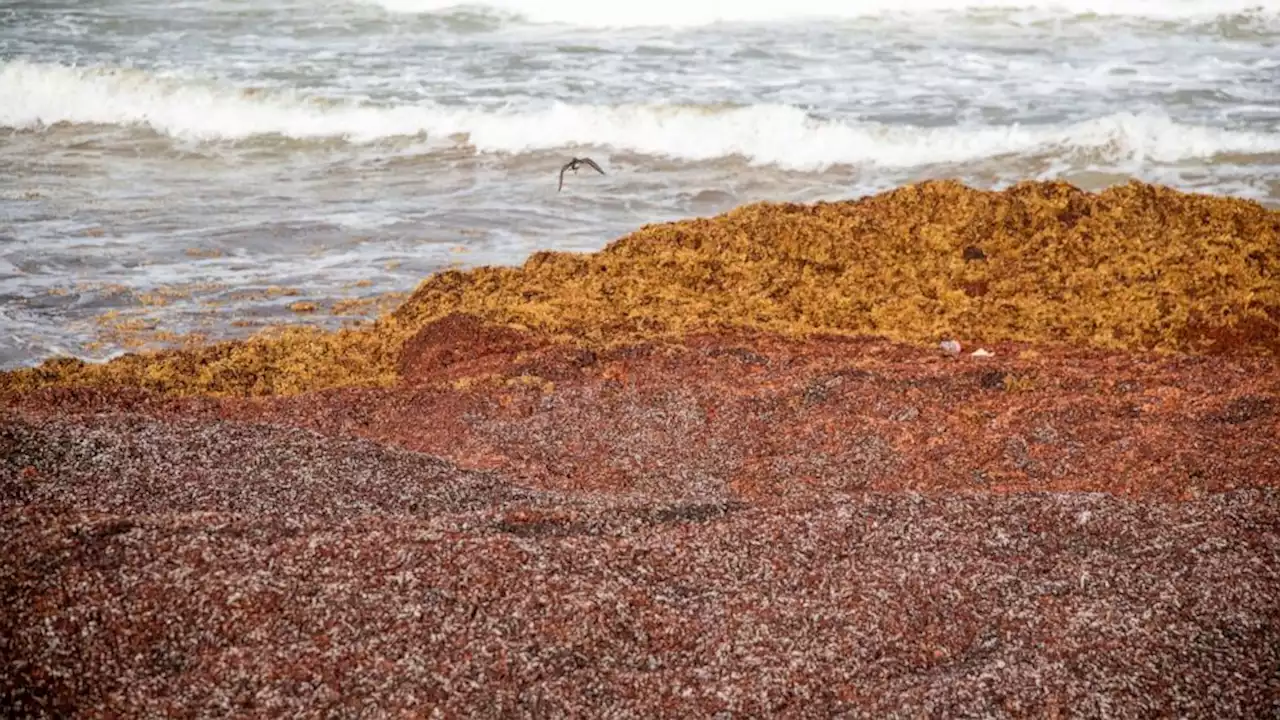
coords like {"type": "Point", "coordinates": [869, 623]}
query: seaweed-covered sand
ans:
{"type": "Point", "coordinates": [720, 467]}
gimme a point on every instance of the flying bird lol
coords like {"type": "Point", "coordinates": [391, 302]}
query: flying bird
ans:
{"type": "Point", "coordinates": [573, 165]}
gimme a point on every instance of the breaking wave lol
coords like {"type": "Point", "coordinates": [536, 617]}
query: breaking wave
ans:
{"type": "Point", "coordinates": [35, 96]}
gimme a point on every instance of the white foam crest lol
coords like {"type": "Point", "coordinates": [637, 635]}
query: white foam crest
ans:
{"type": "Point", "coordinates": [36, 94]}
{"type": "Point", "coordinates": [790, 138]}
{"type": "Point", "coordinates": [700, 12]}
{"type": "Point", "coordinates": [31, 95]}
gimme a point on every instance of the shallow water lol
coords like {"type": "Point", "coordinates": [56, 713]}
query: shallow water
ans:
{"type": "Point", "coordinates": [200, 166]}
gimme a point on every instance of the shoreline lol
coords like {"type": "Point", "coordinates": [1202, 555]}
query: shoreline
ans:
{"type": "Point", "coordinates": [1134, 267]}
{"type": "Point", "coordinates": [522, 499]}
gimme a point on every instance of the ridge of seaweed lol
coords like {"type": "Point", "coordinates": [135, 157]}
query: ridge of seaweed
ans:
{"type": "Point", "coordinates": [1136, 267]}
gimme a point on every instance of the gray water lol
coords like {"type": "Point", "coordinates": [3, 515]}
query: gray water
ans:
{"type": "Point", "coordinates": [169, 168]}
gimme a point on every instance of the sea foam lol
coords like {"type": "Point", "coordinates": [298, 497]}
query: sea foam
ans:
{"type": "Point", "coordinates": [699, 12]}
{"type": "Point", "coordinates": [34, 96]}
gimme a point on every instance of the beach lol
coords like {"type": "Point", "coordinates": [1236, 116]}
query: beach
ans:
{"type": "Point", "coordinates": [493, 501]}
{"type": "Point", "coordinates": [210, 168]}
{"type": "Point", "coordinates": [905, 359]}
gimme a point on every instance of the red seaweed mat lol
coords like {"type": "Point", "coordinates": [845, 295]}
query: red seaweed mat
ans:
{"type": "Point", "coordinates": [736, 523]}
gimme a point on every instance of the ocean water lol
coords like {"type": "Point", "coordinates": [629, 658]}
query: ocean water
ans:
{"type": "Point", "coordinates": [202, 166]}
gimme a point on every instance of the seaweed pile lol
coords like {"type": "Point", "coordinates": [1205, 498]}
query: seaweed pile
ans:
{"type": "Point", "coordinates": [720, 466]}
{"type": "Point", "coordinates": [1135, 267]}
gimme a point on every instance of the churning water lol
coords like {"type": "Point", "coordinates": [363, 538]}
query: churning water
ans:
{"type": "Point", "coordinates": [201, 166]}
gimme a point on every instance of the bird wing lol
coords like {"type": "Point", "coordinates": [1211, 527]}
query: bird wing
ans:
{"type": "Point", "coordinates": [593, 164]}
{"type": "Point", "coordinates": [566, 167]}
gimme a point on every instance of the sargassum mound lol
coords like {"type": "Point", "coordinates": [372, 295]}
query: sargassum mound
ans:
{"type": "Point", "coordinates": [1136, 267]}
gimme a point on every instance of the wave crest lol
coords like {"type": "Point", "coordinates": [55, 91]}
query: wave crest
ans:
{"type": "Point", "coordinates": [36, 95]}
